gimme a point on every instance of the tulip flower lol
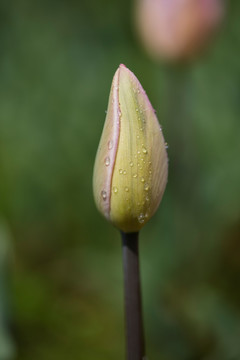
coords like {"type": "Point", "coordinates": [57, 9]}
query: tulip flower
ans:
{"type": "Point", "coordinates": [130, 175]}
{"type": "Point", "coordinates": [177, 29]}
{"type": "Point", "coordinates": [131, 165]}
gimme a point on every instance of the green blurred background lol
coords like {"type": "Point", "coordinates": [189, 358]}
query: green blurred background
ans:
{"type": "Point", "coordinates": [61, 293]}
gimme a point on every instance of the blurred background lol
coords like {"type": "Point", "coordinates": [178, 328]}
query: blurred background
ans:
{"type": "Point", "coordinates": [61, 293]}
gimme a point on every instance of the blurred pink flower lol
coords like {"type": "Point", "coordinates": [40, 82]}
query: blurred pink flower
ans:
{"type": "Point", "coordinates": [177, 29]}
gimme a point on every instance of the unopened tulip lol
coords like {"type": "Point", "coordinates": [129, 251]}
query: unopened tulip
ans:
{"type": "Point", "coordinates": [131, 166]}
{"type": "Point", "coordinates": [177, 29]}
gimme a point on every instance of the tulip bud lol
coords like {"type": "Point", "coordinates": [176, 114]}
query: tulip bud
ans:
{"type": "Point", "coordinates": [177, 29]}
{"type": "Point", "coordinates": [131, 166]}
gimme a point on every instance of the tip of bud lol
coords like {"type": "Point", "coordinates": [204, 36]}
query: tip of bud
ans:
{"type": "Point", "coordinates": [131, 166]}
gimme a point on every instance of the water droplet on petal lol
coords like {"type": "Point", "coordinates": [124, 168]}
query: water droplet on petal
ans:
{"type": "Point", "coordinates": [126, 189]}
{"type": "Point", "coordinates": [131, 163]}
{"type": "Point", "coordinates": [124, 172]}
{"type": "Point", "coordinates": [146, 187]}
{"type": "Point", "coordinates": [141, 218]}
{"type": "Point", "coordinates": [144, 150]}
{"type": "Point", "coordinates": [115, 189]}
{"type": "Point", "coordinates": [142, 179]}
{"type": "Point", "coordinates": [120, 171]}
{"type": "Point", "coordinates": [135, 176]}
{"type": "Point", "coordinates": [107, 161]}
{"type": "Point", "coordinates": [110, 145]}
{"type": "Point", "coordinates": [166, 145]}
{"type": "Point", "coordinates": [104, 195]}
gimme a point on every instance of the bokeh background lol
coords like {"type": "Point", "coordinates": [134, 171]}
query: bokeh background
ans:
{"type": "Point", "coordinates": [61, 293]}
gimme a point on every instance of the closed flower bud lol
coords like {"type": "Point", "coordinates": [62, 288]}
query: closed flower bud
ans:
{"type": "Point", "coordinates": [131, 166]}
{"type": "Point", "coordinates": [177, 29]}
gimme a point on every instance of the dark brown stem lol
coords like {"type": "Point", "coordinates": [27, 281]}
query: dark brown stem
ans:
{"type": "Point", "coordinates": [133, 304]}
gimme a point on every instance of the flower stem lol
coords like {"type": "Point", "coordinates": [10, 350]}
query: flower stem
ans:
{"type": "Point", "coordinates": [133, 304]}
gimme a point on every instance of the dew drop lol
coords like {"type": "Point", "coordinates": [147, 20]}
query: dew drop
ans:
{"type": "Point", "coordinates": [142, 179]}
{"type": "Point", "coordinates": [104, 194]}
{"type": "Point", "coordinates": [115, 189]}
{"type": "Point", "coordinates": [131, 163]}
{"type": "Point", "coordinates": [146, 187]}
{"type": "Point", "coordinates": [120, 171]}
{"type": "Point", "coordinates": [166, 145]}
{"type": "Point", "coordinates": [147, 198]}
{"type": "Point", "coordinates": [110, 145]}
{"type": "Point", "coordinates": [135, 176]}
{"type": "Point", "coordinates": [124, 172]}
{"type": "Point", "coordinates": [136, 109]}
{"type": "Point", "coordinates": [107, 161]}
{"type": "Point", "coordinates": [137, 136]}
{"type": "Point", "coordinates": [144, 150]}
{"type": "Point", "coordinates": [139, 152]}
{"type": "Point", "coordinates": [141, 218]}
{"type": "Point", "coordinates": [126, 189]}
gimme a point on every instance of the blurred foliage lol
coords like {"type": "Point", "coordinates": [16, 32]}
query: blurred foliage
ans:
{"type": "Point", "coordinates": [7, 349]}
{"type": "Point", "coordinates": [56, 65]}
